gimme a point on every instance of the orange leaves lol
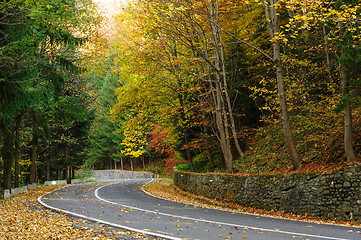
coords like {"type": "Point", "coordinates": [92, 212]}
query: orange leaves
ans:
{"type": "Point", "coordinates": [20, 221]}
{"type": "Point", "coordinates": [23, 218]}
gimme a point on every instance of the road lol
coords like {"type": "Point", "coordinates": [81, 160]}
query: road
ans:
{"type": "Point", "coordinates": [125, 205]}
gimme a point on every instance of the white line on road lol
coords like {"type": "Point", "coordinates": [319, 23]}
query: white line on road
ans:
{"type": "Point", "coordinates": [103, 221]}
{"type": "Point", "coordinates": [215, 222]}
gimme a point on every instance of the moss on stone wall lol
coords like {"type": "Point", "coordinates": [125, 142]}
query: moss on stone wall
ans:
{"type": "Point", "coordinates": [335, 195]}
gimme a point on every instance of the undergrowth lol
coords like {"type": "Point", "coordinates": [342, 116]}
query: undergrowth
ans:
{"type": "Point", "coordinates": [318, 139]}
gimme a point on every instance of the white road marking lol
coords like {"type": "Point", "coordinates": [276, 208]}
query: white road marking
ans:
{"type": "Point", "coordinates": [215, 222]}
{"type": "Point", "coordinates": [103, 221]}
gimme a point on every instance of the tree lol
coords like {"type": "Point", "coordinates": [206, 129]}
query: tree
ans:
{"type": "Point", "coordinates": [35, 45]}
{"type": "Point", "coordinates": [338, 21]}
{"type": "Point", "coordinates": [271, 14]}
{"type": "Point", "coordinates": [104, 137]}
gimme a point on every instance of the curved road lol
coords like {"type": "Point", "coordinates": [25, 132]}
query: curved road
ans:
{"type": "Point", "coordinates": [125, 205]}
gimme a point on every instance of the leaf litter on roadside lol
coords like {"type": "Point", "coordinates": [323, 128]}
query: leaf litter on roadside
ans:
{"type": "Point", "coordinates": [164, 188]}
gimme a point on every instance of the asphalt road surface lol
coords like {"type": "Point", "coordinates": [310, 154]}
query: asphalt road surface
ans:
{"type": "Point", "coordinates": [123, 204]}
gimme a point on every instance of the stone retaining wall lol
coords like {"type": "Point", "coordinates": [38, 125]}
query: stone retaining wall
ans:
{"type": "Point", "coordinates": [335, 195]}
{"type": "Point", "coordinates": [120, 174]}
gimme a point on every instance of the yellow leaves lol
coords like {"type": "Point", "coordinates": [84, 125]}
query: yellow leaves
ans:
{"type": "Point", "coordinates": [19, 222]}
{"type": "Point", "coordinates": [135, 140]}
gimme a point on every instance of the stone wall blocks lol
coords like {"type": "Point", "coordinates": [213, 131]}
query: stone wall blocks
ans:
{"type": "Point", "coordinates": [322, 196]}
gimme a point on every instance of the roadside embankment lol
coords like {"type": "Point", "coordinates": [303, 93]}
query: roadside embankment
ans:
{"type": "Point", "coordinates": [335, 195]}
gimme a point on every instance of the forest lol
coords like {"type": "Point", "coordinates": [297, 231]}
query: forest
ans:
{"type": "Point", "coordinates": [244, 87]}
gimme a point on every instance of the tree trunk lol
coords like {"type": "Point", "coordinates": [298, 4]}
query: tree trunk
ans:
{"type": "Point", "coordinates": [58, 172]}
{"type": "Point", "coordinates": [7, 153]}
{"type": "Point", "coordinates": [72, 172]}
{"type": "Point", "coordinates": [222, 129]}
{"type": "Point", "coordinates": [219, 56]}
{"type": "Point", "coordinates": [69, 174]}
{"type": "Point", "coordinates": [121, 163]}
{"type": "Point", "coordinates": [17, 150]}
{"type": "Point", "coordinates": [33, 152]}
{"type": "Point", "coordinates": [131, 164]}
{"type": "Point", "coordinates": [350, 154]}
{"type": "Point", "coordinates": [273, 27]}
{"type": "Point", "coordinates": [48, 165]}
{"type": "Point", "coordinates": [143, 162]}
{"type": "Point", "coordinates": [65, 173]}
{"type": "Point", "coordinates": [221, 113]}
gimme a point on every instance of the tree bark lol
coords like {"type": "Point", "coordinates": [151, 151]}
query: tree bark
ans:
{"type": "Point", "coordinates": [65, 173]}
{"type": "Point", "coordinates": [222, 121]}
{"type": "Point", "coordinates": [219, 55]}
{"type": "Point", "coordinates": [143, 161]}
{"type": "Point", "coordinates": [273, 27]}
{"type": "Point", "coordinates": [72, 173]}
{"type": "Point", "coordinates": [349, 152]}
{"type": "Point", "coordinates": [33, 151]}
{"type": "Point", "coordinates": [17, 150]}
{"type": "Point", "coordinates": [48, 165]}
{"type": "Point", "coordinates": [7, 153]}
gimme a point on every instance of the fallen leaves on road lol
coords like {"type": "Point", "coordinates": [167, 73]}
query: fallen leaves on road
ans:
{"type": "Point", "coordinates": [22, 217]}
{"type": "Point", "coordinates": [165, 189]}
{"type": "Point", "coordinates": [18, 221]}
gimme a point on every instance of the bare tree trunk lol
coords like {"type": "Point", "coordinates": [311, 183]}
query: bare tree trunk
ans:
{"type": "Point", "coordinates": [65, 173]}
{"type": "Point", "coordinates": [69, 174]}
{"type": "Point", "coordinates": [223, 130]}
{"type": "Point", "coordinates": [221, 113]}
{"type": "Point", "coordinates": [17, 150]}
{"type": "Point", "coordinates": [72, 173]}
{"type": "Point", "coordinates": [33, 151]}
{"type": "Point", "coordinates": [350, 154]}
{"type": "Point", "coordinates": [273, 27]}
{"type": "Point", "coordinates": [58, 172]}
{"type": "Point", "coordinates": [48, 165]}
{"type": "Point", "coordinates": [131, 164]}
{"type": "Point", "coordinates": [143, 162]}
{"type": "Point", "coordinates": [219, 55]}
{"type": "Point", "coordinates": [7, 153]}
{"type": "Point", "coordinates": [121, 163]}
